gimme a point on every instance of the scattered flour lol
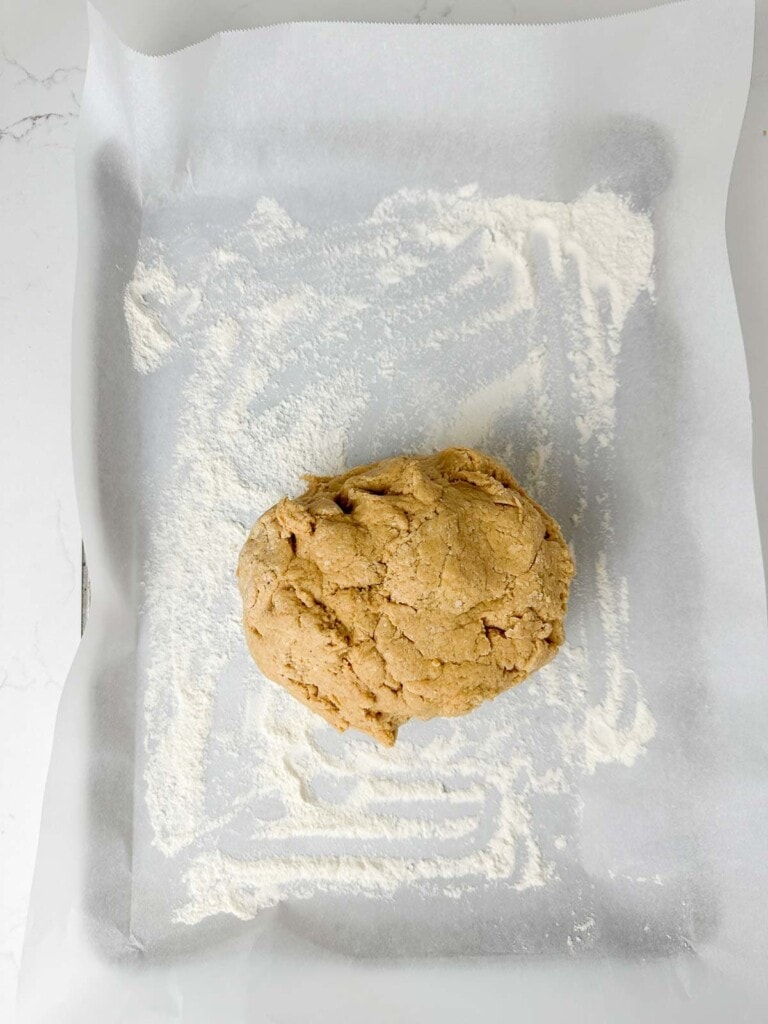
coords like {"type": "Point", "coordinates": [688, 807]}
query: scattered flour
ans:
{"type": "Point", "coordinates": [151, 344]}
{"type": "Point", "coordinates": [441, 318]}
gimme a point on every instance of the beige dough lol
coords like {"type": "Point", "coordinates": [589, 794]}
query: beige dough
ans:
{"type": "Point", "coordinates": [408, 588]}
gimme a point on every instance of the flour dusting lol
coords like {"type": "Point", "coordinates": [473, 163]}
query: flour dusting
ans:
{"type": "Point", "coordinates": [152, 287]}
{"type": "Point", "coordinates": [441, 318]}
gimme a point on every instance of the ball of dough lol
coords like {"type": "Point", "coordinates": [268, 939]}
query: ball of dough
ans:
{"type": "Point", "coordinates": [408, 588]}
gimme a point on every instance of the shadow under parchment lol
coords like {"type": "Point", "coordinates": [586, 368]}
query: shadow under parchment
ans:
{"type": "Point", "coordinates": [112, 513]}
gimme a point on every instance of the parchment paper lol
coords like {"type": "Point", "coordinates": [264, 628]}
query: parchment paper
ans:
{"type": "Point", "coordinates": [327, 120]}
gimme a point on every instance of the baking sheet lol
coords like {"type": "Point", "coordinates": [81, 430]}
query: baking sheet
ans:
{"type": "Point", "coordinates": [165, 144]}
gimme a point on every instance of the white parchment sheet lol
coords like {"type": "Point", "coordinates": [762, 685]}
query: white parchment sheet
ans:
{"type": "Point", "coordinates": [604, 855]}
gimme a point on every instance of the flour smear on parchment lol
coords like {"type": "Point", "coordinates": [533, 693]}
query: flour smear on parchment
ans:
{"type": "Point", "coordinates": [266, 803]}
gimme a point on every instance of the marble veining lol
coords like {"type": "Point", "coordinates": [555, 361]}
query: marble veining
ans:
{"type": "Point", "coordinates": [40, 87]}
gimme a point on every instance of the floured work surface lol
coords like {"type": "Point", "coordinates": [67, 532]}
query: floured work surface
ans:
{"type": "Point", "coordinates": [404, 241]}
{"type": "Point", "coordinates": [443, 317]}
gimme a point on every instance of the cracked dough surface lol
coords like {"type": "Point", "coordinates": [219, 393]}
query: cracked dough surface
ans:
{"type": "Point", "coordinates": [407, 588]}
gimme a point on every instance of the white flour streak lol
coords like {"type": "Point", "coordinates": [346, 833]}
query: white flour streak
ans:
{"type": "Point", "coordinates": [621, 725]}
{"type": "Point", "coordinates": [441, 318]}
{"type": "Point", "coordinates": [151, 344]}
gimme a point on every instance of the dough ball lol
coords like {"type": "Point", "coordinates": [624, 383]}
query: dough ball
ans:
{"type": "Point", "coordinates": [408, 588]}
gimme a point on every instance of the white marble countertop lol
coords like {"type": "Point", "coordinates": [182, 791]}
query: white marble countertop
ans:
{"type": "Point", "coordinates": [43, 50]}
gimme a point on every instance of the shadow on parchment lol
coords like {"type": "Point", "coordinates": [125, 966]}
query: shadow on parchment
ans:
{"type": "Point", "coordinates": [112, 512]}
{"type": "Point", "coordinates": [539, 161]}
